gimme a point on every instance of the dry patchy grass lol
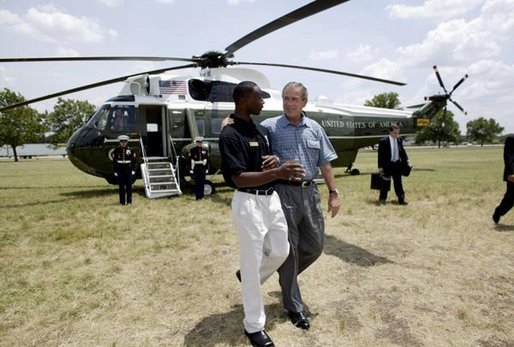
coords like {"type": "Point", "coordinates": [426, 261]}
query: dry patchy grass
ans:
{"type": "Point", "coordinates": [79, 270]}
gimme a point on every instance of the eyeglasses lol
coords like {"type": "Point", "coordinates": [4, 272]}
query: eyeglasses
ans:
{"type": "Point", "coordinates": [123, 140]}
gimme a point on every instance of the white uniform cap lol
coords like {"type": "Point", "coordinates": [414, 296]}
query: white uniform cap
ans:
{"type": "Point", "coordinates": [199, 138]}
{"type": "Point", "coordinates": [123, 138]}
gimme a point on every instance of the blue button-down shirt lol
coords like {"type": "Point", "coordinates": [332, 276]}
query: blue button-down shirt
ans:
{"type": "Point", "coordinates": [306, 142]}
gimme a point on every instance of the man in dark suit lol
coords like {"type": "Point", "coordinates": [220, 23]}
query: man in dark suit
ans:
{"type": "Point", "coordinates": [508, 176]}
{"type": "Point", "coordinates": [392, 158]}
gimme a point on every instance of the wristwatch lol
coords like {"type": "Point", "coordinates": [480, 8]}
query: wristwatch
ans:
{"type": "Point", "coordinates": [333, 191]}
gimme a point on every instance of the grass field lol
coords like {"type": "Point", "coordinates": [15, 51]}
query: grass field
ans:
{"type": "Point", "coordinates": [77, 269]}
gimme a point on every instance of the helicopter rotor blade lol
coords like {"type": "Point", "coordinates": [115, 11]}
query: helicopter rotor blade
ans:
{"type": "Point", "coordinates": [459, 106]}
{"type": "Point", "coordinates": [93, 85]}
{"type": "Point", "coordinates": [459, 83]}
{"type": "Point", "coordinates": [416, 106]}
{"type": "Point", "coordinates": [93, 58]}
{"type": "Point", "coordinates": [322, 70]}
{"type": "Point", "coordinates": [294, 16]}
{"type": "Point", "coordinates": [439, 79]}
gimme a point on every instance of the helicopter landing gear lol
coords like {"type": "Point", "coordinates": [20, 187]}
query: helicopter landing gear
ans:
{"type": "Point", "coordinates": [353, 172]}
{"type": "Point", "coordinates": [208, 188]}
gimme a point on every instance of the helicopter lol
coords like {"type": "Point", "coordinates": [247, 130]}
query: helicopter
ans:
{"type": "Point", "coordinates": [163, 113]}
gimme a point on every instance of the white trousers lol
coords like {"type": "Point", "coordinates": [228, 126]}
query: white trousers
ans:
{"type": "Point", "coordinates": [263, 247]}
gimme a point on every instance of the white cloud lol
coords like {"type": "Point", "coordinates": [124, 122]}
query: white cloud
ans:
{"type": "Point", "coordinates": [363, 53]}
{"type": "Point", "coordinates": [50, 25]}
{"type": "Point", "coordinates": [111, 3]}
{"type": "Point", "coordinates": [437, 9]}
{"type": "Point", "coordinates": [498, 17]}
{"type": "Point", "coordinates": [237, 2]}
{"type": "Point", "coordinates": [323, 55]}
{"type": "Point", "coordinates": [4, 78]}
{"type": "Point", "coordinates": [385, 69]}
{"type": "Point", "coordinates": [67, 52]}
{"type": "Point", "coordinates": [453, 41]}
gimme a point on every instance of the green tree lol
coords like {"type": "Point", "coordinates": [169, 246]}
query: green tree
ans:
{"type": "Point", "coordinates": [442, 128]}
{"type": "Point", "coordinates": [19, 125]}
{"type": "Point", "coordinates": [483, 130]}
{"type": "Point", "coordinates": [385, 100]}
{"type": "Point", "coordinates": [68, 115]}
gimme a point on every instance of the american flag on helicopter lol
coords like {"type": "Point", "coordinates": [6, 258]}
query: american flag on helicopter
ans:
{"type": "Point", "coordinates": [173, 87]}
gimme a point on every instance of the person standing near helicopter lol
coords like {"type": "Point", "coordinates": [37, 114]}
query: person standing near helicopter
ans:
{"type": "Point", "coordinates": [294, 136]}
{"type": "Point", "coordinates": [248, 166]}
{"type": "Point", "coordinates": [199, 156]}
{"type": "Point", "coordinates": [124, 162]}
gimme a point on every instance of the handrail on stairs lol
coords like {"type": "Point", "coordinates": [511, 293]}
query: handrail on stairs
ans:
{"type": "Point", "coordinates": [143, 152]}
{"type": "Point", "coordinates": [177, 166]}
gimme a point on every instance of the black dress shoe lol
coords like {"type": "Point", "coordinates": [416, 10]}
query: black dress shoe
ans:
{"type": "Point", "coordinates": [496, 217]}
{"type": "Point", "coordinates": [260, 339]}
{"type": "Point", "coordinates": [238, 275]}
{"type": "Point", "coordinates": [403, 202]}
{"type": "Point", "coordinates": [299, 320]}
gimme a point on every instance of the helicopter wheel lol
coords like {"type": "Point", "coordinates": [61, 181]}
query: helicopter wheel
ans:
{"type": "Point", "coordinates": [208, 188]}
{"type": "Point", "coordinates": [354, 172]}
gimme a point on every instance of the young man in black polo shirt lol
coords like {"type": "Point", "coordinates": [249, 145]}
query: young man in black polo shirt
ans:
{"type": "Point", "coordinates": [248, 166]}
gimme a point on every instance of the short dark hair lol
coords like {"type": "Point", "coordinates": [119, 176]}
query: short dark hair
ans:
{"type": "Point", "coordinates": [243, 89]}
{"type": "Point", "coordinates": [394, 126]}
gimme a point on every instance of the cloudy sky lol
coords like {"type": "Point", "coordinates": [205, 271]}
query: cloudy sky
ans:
{"type": "Point", "coordinates": [392, 39]}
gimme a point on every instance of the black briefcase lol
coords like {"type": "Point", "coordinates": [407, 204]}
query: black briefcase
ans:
{"type": "Point", "coordinates": [406, 168]}
{"type": "Point", "coordinates": [380, 182]}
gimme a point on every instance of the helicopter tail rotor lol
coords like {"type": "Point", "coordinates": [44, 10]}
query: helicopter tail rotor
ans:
{"type": "Point", "coordinates": [447, 96]}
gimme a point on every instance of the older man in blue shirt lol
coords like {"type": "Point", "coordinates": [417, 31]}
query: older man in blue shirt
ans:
{"type": "Point", "coordinates": [294, 136]}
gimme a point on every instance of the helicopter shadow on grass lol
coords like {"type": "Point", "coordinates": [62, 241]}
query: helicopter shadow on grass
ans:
{"type": "Point", "coordinates": [351, 253]}
{"type": "Point", "coordinates": [227, 328]}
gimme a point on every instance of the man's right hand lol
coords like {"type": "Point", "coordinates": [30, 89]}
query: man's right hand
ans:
{"type": "Point", "coordinates": [291, 170]}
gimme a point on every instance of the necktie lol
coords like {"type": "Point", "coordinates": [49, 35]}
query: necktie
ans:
{"type": "Point", "coordinates": [396, 157]}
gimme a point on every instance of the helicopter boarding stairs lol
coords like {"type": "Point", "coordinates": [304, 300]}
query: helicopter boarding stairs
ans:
{"type": "Point", "coordinates": [159, 176]}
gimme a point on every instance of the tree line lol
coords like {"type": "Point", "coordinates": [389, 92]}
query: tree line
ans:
{"type": "Point", "coordinates": [26, 125]}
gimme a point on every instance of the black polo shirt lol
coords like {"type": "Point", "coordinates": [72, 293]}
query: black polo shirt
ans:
{"type": "Point", "coordinates": [242, 145]}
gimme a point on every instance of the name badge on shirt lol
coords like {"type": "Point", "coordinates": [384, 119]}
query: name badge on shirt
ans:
{"type": "Point", "coordinates": [254, 144]}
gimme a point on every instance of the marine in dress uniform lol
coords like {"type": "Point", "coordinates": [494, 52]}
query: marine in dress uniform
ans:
{"type": "Point", "coordinates": [199, 156]}
{"type": "Point", "coordinates": [124, 162]}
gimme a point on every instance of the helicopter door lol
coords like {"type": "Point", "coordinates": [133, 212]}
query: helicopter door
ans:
{"type": "Point", "coordinates": [155, 137]}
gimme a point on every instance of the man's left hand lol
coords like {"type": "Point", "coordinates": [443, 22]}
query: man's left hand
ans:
{"type": "Point", "coordinates": [333, 204]}
{"type": "Point", "coordinates": [270, 162]}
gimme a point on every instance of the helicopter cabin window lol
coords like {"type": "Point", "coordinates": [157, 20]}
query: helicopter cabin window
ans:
{"type": "Point", "coordinates": [123, 118]}
{"type": "Point", "coordinates": [200, 125]}
{"type": "Point", "coordinates": [118, 118]}
{"type": "Point", "coordinates": [214, 91]}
